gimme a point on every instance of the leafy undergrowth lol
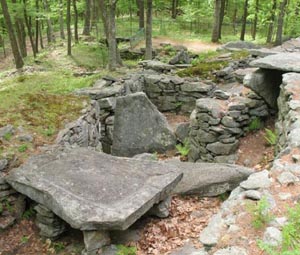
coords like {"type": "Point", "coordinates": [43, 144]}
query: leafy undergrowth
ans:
{"type": "Point", "coordinates": [209, 62]}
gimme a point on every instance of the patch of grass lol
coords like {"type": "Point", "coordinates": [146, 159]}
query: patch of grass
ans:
{"type": "Point", "coordinates": [24, 239]}
{"type": "Point", "coordinates": [260, 214]}
{"type": "Point", "coordinates": [271, 137]}
{"type": "Point", "coordinates": [124, 250]}
{"type": "Point", "coordinates": [90, 57]}
{"type": "Point", "coordinates": [290, 236]}
{"type": "Point", "coordinates": [7, 136]}
{"type": "Point", "coordinates": [58, 246]}
{"type": "Point", "coordinates": [29, 213]}
{"type": "Point", "coordinates": [22, 148]}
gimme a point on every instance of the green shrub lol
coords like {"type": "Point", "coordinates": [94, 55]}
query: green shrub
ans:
{"type": "Point", "coordinates": [254, 125]}
{"type": "Point", "coordinates": [259, 213]}
{"type": "Point", "coordinates": [290, 236]}
{"type": "Point", "coordinates": [23, 148]}
{"type": "Point", "coordinates": [184, 148]}
{"type": "Point", "coordinates": [271, 137]}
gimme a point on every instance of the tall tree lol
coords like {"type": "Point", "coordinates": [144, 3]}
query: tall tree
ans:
{"type": "Point", "coordinates": [244, 22]}
{"type": "Point", "coordinates": [69, 27]}
{"type": "Point", "coordinates": [222, 14]}
{"type": "Point", "coordinates": [29, 28]}
{"type": "Point", "coordinates": [278, 39]}
{"type": "Point", "coordinates": [141, 13]}
{"type": "Point", "coordinates": [217, 18]}
{"type": "Point", "coordinates": [37, 24]}
{"type": "Point", "coordinates": [75, 21]}
{"type": "Point", "coordinates": [50, 33]}
{"type": "Point", "coordinates": [13, 41]}
{"type": "Point", "coordinates": [174, 8]}
{"type": "Point", "coordinates": [61, 19]}
{"type": "Point", "coordinates": [87, 18]}
{"type": "Point", "coordinates": [148, 53]}
{"type": "Point", "coordinates": [271, 22]}
{"type": "Point", "coordinates": [254, 25]}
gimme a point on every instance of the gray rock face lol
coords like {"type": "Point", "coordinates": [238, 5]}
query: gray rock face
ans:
{"type": "Point", "coordinates": [207, 179]}
{"type": "Point", "coordinates": [139, 127]}
{"type": "Point", "coordinates": [286, 62]}
{"type": "Point", "coordinates": [257, 181]}
{"type": "Point", "coordinates": [91, 190]}
{"type": "Point", "coordinates": [182, 131]}
{"type": "Point", "coordinates": [189, 249]}
{"type": "Point", "coordinates": [222, 148]}
{"type": "Point", "coordinates": [272, 236]}
{"type": "Point", "coordinates": [3, 164]}
{"type": "Point", "coordinates": [266, 84]}
{"type": "Point", "coordinates": [240, 45]}
{"type": "Point", "coordinates": [6, 130]}
{"type": "Point", "coordinates": [181, 57]}
{"type": "Point", "coordinates": [234, 250]}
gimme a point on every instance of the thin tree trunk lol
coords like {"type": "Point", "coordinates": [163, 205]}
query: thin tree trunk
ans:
{"type": "Point", "coordinates": [243, 31]}
{"type": "Point", "coordinates": [50, 33]}
{"type": "Point", "coordinates": [87, 18]}
{"type": "Point", "coordinates": [37, 7]}
{"type": "Point", "coordinates": [29, 30]}
{"type": "Point", "coordinates": [278, 39]}
{"type": "Point", "coordinates": [272, 20]}
{"type": "Point", "coordinates": [174, 8]}
{"type": "Point", "coordinates": [69, 27]}
{"type": "Point", "coordinates": [254, 27]}
{"type": "Point", "coordinates": [13, 41]}
{"type": "Point", "coordinates": [222, 14]}
{"type": "Point", "coordinates": [61, 19]}
{"type": "Point", "coordinates": [41, 34]}
{"type": "Point", "coordinates": [148, 53]}
{"type": "Point", "coordinates": [141, 13]}
{"type": "Point", "coordinates": [75, 21]}
{"type": "Point", "coordinates": [217, 17]}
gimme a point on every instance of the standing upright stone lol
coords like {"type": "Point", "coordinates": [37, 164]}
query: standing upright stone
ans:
{"type": "Point", "coordinates": [139, 127]}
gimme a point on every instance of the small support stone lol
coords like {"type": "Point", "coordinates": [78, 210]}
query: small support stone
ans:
{"type": "Point", "coordinates": [161, 209]}
{"type": "Point", "coordinates": [94, 240]}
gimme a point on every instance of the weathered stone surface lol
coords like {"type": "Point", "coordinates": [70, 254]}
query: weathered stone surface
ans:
{"type": "Point", "coordinates": [99, 93]}
{"type": "Point", "coordinates": [182, 131]}
{"type": "Point", "coordinates": [161, 209]}
{"type": "Point", "coordinates": [240, 45]}
{"type": "Point", "coordinates": [253, 194]}
{"type": "Point", "coordinates": [266, 84]}
{"type": "Point", "coordinates": [257, 181]}
{"type": "Point", "coordinates": [146, 156]}
{"type": "Point", "coordinates": [189, 249]}
{"type": "Point", "coordinates": [93, 240]}
{"type": "Point", "coordinates": [272, 236]}
{"type": "Point", "coordinates": [234, 250]}
{"type": "Point", "coordinates": [212, 106]}
{"type": "Point", "coordinates": [207, 179]}
{"type": "Point", "coordinates": [157, 66]}
{"type": "Point", "coordinates": [139, 127]}
{"type": "Point", "coordinates": [196, 87]}
{"type": "Point", "coordinates": [286, 62]}
{"type": "Point", "coordinates": [6, 130]}
{"type": "Point", "coordinates": [287, 178]}
{"type": "Point", "coordinates": [91, 190]}
{"type": "Point", "coordinates": [222, 148]}
{"type": "Point", "coordinates": [181, 57]}
{"type": "Point", "coordinates": [3, 164]}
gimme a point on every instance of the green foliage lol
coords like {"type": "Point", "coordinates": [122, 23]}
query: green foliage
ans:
{"type": "Point", "coordinates": [124, 250]}
{"type": "Point", "coordinates": [58, 246]}
{"type": "Point", "coordinates": [271, 137]}
{"type": "Point", "coordinates": [154, 156]}
{"type": "Point", "coordinates": [23, 148]}
{"type": "Point", "coordinates": [290, 236]}
{"type": "Point", "coordinates": [255, 125]}
{"type": "Point", "coordinates": [29, 213]}
{"type": "Point", "coordinates": [259, 212]}
{"type": "Point", "coordinates": [184, 148]}
{"type": "Point", "coordinates": [24, 239]}
{"type": "Point", "coordinates": [50, 131]}
{"type": "Point", "coordinates": [7, 136]}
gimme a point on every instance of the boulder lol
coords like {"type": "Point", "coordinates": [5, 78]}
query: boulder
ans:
{"type": "Point", "coordinates": [139, 127]}
{"type": "Point", "coordinates": [286, 62]}
{"type": "Point", "coordinates": [94, 191]}
{"type": "Point", "coordinates": [181, 57]}
{"type": "Point", "coordinates": [209, 179]}
{"type": "Point", "coordinates": [266, 83]}
{"type": "Point", "coordinates": [240, 45]}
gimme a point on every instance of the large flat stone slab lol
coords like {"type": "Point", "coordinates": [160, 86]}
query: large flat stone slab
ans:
{"type": "Point", "coordinates": [92, 190]}
{"type": "Point", "coordinates": [139, 127]}
{"type": "Point", "coordinates": [286, 62]}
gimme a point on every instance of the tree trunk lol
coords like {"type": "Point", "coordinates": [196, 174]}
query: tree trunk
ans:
{"type": "Point", "coordinates": [217, 17]}
{"type": "Point", "coordinates": [222, 14]}
{"type": "Point", "coordinates": [108, 10]}
{"type": "Point", "coordinates": [243, 31]}
{"type": "Point", "coordinates": [41, 25]}
{"type": "Point", "coordinates": [69, 27]}
{"type": "Point", "coordinates": [141, 13]}
{"type": "Point", "coordinates": [37, 7]}
{"type": "Point", "coordinates": [13, 41]}
{"type": "Point", "coordinates": [271, 25]}
{"type": "Point", "coordinates": [50, 34]}
{"type": "Point", "coordinates": [278, 39]}
{"type": "Point", "coordinates": [87, 18]}
{"type": "Point", "coordinates": [29, 29]}
{"type": "Point", "coordinates": [148, 53]}
{"type": "Point", "coordinates": [254, 27]}
{"type": "Point", "coordinates": [174, 8]}
{"type": "Point", "coordinates": [75, 21]}
{"type": "Point", "coordinates": [61, 19]}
